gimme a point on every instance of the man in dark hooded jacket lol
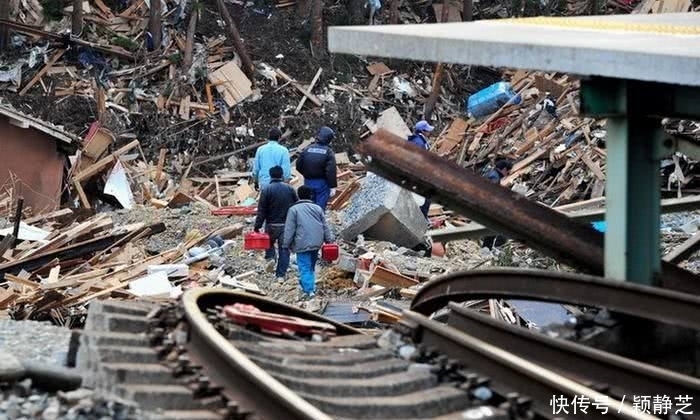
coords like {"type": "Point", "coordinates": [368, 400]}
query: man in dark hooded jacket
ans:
{"type": "Point", "coordinates": [317, 164]}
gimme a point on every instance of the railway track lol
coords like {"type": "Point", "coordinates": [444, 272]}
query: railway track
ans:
{"type": "Point", "coordinates": [215, 368]}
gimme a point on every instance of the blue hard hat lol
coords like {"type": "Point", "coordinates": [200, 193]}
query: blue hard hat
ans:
{"type": "Point", "coordinates": [423, 125]}
{"type": "Point", "coordinates": [325, 135]}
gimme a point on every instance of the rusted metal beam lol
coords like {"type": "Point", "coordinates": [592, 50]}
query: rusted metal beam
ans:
{"type": "Point", "coordinates": [498, 208]}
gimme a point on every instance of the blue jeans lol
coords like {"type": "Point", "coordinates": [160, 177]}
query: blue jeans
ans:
{"type": "Point", "coordinates": [276, 233]}
{"type": "Point", "coordinates": [306, 261]}
{"type": "Point", "coordinates": [322, 192]}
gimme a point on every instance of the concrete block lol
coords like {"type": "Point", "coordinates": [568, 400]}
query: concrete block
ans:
{"type": "Point", "coordinates": [151, 373]}
{"type": "Point", "coordinates": [154, 397]}
{"type": "Point", "coordinates": [117, 322]}
{"type": "Point", "coordinates": [384, 211]}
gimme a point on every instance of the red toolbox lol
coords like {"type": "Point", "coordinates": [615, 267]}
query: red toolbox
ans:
{"type": "Point", "coordinates": [255, 240]}
{"type": "Point", "coordinates": [329, 252]}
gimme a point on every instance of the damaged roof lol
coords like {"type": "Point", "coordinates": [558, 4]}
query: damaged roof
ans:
{"type": "Point", "coordinates": [23, 120]}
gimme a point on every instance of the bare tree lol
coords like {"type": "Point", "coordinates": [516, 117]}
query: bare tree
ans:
{"type": "Point", "coordinates": [77, 18]}
{"type": "Point", "coordinates": [189, 42]}
{"type": "Point", "coordinates": [303, 8]}
{"type": "Point", "coordinates": [439, 70]}
{"type": "Point", "coordinates": [155, 26]}
{"type": "Point", "coordinates": [317, 24]}
{"type": "Point", "coordinates": [235, 38]}
{"type": "Point", "coordinates": [394, 12]}
{"type": "Point", "coordinates": [467, 10]}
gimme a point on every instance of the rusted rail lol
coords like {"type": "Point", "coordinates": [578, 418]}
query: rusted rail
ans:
{"type": "Point", "coordinates": [498, 208]}
{"type": "Point", "coordinates": [510, 373]}
{"type": "Point", "coordinates": [624, 376]}
{"type": "Point", "coordinates": [643, 301]}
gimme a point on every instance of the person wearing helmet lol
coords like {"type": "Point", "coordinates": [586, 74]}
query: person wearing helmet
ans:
{"type": "Point", "coordinates": [420, 138]}
{"type": "Point", "coordinates": [317, 164]}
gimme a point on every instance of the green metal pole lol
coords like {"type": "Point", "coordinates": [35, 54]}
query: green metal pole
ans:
{"type": "Point", "coordinates": [633, 197]}
{"type": "Point", "coordinates": [632, 189]}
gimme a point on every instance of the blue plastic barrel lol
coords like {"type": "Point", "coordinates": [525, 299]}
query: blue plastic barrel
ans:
{"type": "Point", "coordinates": [491, 99]}
{"type": "Point", "coordinates": [600, 226]}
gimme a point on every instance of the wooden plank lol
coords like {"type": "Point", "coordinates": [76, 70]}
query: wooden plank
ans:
{"type": "Point", "coordinates": [218, 191]}
{"type": "Point", "coordinates": [81, 194]}
{"type": "Point", "coordinates": [593, 167]}
{"type": "Point", "coordinates": [313, 98]}
{"type": "Point", "coordinates": [161, 163]}
{"type": "Point", "coordinates": [454, 135]}
{"type": "Point", "coordinates": [42, 72]}
{"type": "Point", "coordinates": [378, 69]}
{"type": "Point", "coordinates": [684, 250]}
{"type": "Point", "coordinates": [6, 243]}
{"type": "Point", "coordinates": [21, 281]}
{"type": "Point", "coordinates": [53, 274]}
{"type": "Point", "coordinates": [102, 163]}
{"type": "Point", "coordinates": [184, 110]}
{"type": "Point", "coordinates": [338, 201]}
{"type": "Point", "coordinates": [387, 278]}
{"type": "Point", "coordinates": [309, 88]}
{"type": "Point", "coordinates": [179, 199]}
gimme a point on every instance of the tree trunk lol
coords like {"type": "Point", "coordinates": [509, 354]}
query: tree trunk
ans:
{"type": "Point", "coordinates": [77, 21]}
{"type": "Point", "coordinates": [155, 26]}
{"type": "Point", "coordinates": [303, 8]}
{"type": "Point", "coordinates": [189, 42]}
{"type": "Point", "coordinates": [467, 10]}
{"type": "Point", "coordinates": [235, 38]}
{"type": "Point", "coordinates": [317, 24]}
{"type": "Point", "coordinates": [4, 14]}
{"type": "Point", "coordinates": [439, 69]}
{"type": "Point", "coordinates": [394, 12]}
{"type": "Point", "coordinates": [356, 12]}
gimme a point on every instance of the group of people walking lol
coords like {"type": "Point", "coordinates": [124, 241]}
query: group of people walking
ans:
{"type": "Point", "coordinates": [295, 220]}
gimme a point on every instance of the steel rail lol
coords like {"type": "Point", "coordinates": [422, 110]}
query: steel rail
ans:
{"type": "Point", "coordinates": [499, 208]}
{"type": "Point", "coordinates": [624, 376]}
{"type": "Point", "coordinates": [510, 373]}
{"type": "Point", "coordinates": [245, 383]}
{"type": "Point", "coordinates": [624, 297]}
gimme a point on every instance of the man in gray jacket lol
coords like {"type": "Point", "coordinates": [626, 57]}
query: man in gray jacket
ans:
{"type": "Point", "coordinates": [305, 231]}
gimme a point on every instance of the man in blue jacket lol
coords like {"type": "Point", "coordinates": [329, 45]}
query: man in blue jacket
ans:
{"type": "Point", "coordinates": [275, 200]}
{"type": "Point", "coordinates": [420, 138]}
{"type": "Point", "coordinates": [305, 231]}
{"type": "Point", "coordinates": [269, 155]}
{"type": "Point", "coordinates": [317, 164]}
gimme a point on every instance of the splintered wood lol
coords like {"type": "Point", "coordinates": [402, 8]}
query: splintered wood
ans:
{"type": "Point", "coordinates": [74, 263]}
{"type": "Point", "coordinates": [554, 151]}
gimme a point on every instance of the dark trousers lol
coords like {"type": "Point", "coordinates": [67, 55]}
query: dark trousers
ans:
{"type": "Point", "coordinates": [322, 192]}
{"type": "Point", "coordinates": [276, 233]}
